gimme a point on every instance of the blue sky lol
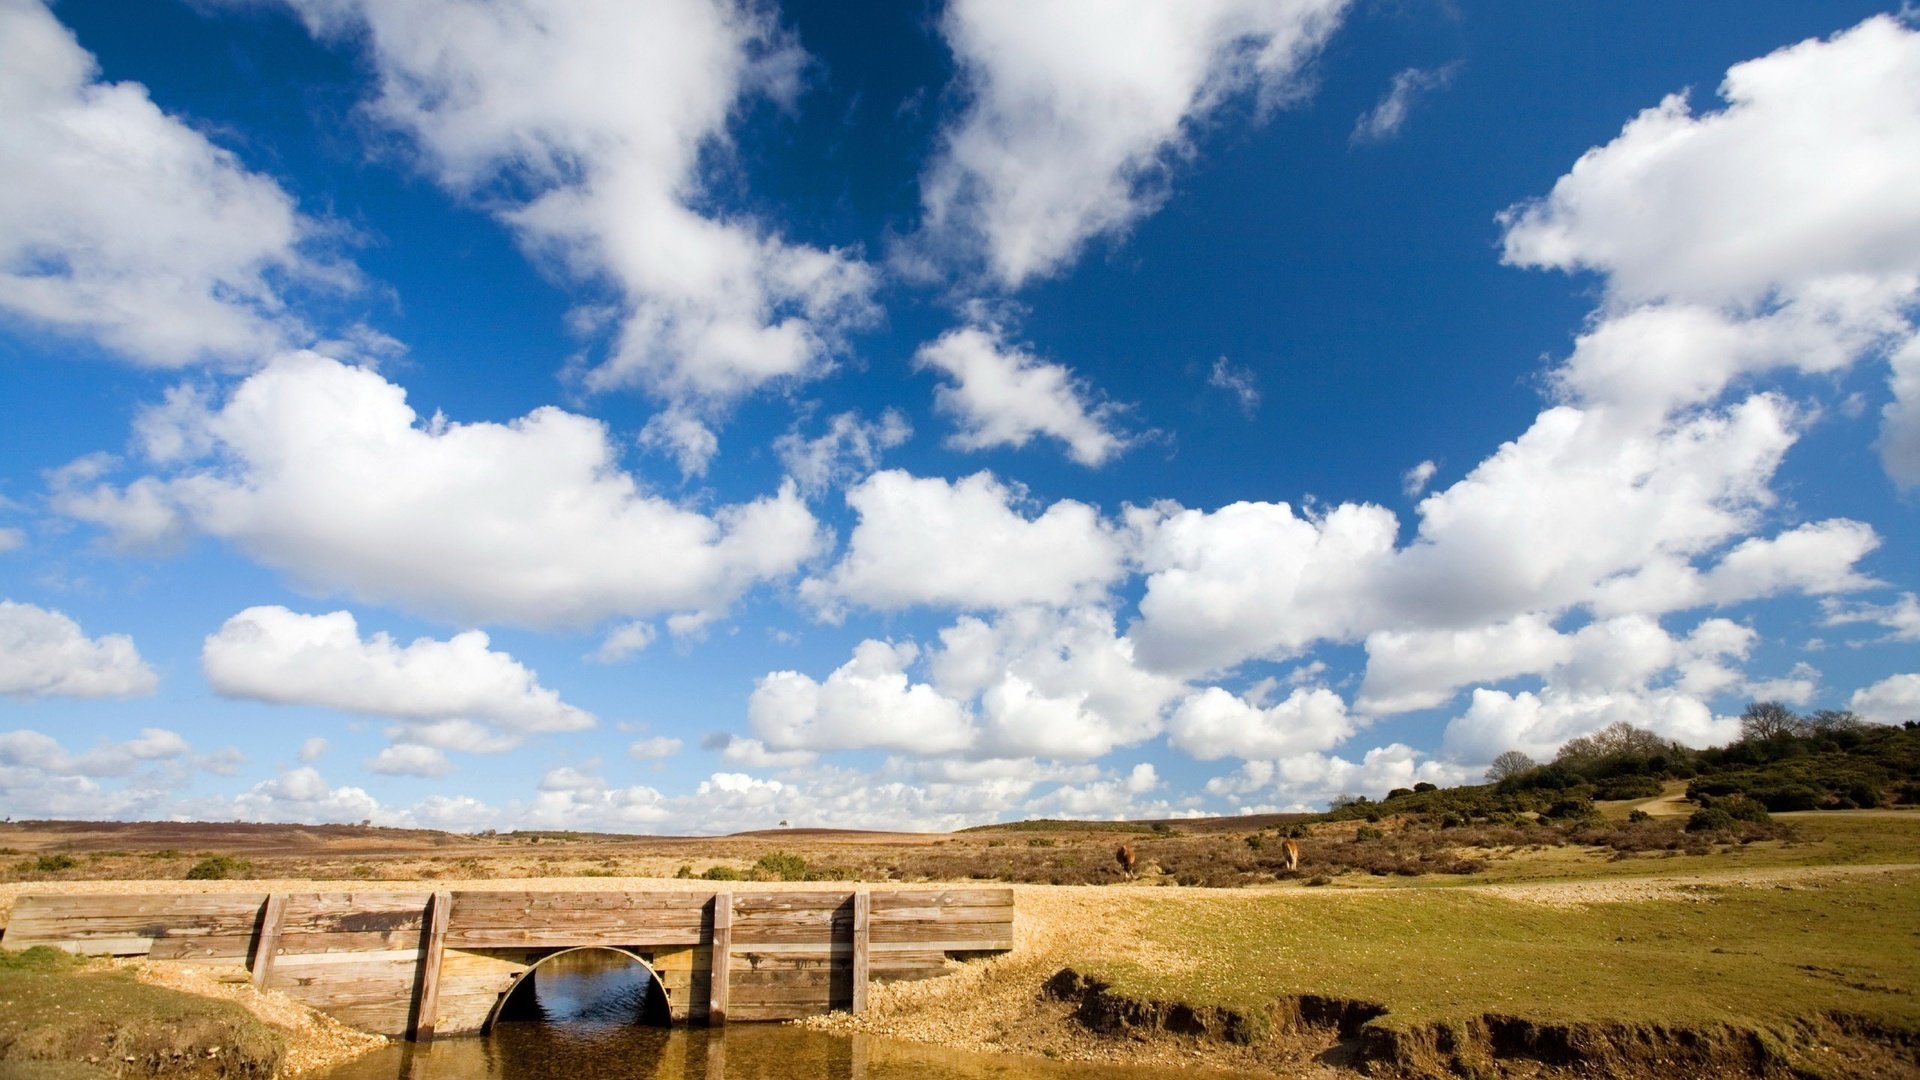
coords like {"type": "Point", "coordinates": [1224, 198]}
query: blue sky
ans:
{"type": "Point", "coordinates": [688, 416]}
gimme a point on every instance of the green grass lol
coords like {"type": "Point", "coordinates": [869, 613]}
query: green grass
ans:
{"type": "Point", "coordinates": [57, 1012]}
{"type": "Point", "coordinates": [1765, 958]}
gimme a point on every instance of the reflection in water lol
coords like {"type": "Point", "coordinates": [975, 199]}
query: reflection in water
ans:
{"type": "Point", "coordinates": [594, 987]}
{"type": "Point", "coordinates": [738, 1052]}
{"type": "Point", "coordinates": [583, 1023]}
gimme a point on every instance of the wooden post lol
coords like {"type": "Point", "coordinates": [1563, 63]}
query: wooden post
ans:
{"type": "Point", "coordinates": [268, 942]}
{"type": "Point", "coordinates": [721, 971]}
{"type": "Point", "coordinates": [862, 910]}
{"type": "Point", "coordinates": [426, 1007]}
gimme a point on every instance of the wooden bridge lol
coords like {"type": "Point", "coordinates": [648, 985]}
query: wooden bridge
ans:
{"type": "Point", "coordinates": [416, 963]}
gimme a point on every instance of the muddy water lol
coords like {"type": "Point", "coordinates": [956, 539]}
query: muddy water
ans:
{"type": "Point", "coordinates": [593, 1020]}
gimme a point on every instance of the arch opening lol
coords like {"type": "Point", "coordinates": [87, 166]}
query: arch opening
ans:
{"type": "Point", "coordinates": [596, 985]}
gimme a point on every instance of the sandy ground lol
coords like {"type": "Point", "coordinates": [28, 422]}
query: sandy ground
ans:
{"type": "Point", "coordinates": [315, 1042]}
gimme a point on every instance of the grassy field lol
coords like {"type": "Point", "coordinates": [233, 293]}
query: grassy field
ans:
{"type": "Point", "coordinates": [1614, 947]}
{"type": "Point", "coordinates": [67, 1019]}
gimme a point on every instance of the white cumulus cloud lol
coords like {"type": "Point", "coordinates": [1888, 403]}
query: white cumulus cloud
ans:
{"type": "Point", "coordinates": [323, 471]}
{"type": "Point", "coordinates": [120, 222]}
{"type": "Point", "coordinates": [1078, 109]}
{"type": "Point", "coordinates": [1002, 395]}
{"type": "Point", "coordinates": [965, 544]}
{"type": "Point", "coordinates": [43, 653]}
{"type": "Point", "coordinates": [601, 112]}
{"type": "Point", "coordinates": [281, 656]}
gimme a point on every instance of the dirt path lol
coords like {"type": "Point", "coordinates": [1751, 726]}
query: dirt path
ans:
{"type": "Point", "coordinates": [1680, 886]}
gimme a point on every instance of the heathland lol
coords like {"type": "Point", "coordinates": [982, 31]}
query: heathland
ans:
{"type": "Point", "coordinates": [1639, 911]}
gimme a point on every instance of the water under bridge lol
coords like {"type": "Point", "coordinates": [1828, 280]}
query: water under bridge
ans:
{"type": "Point", "coordinates": [415, 963]}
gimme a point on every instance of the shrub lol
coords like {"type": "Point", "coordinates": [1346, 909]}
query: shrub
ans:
{"type": "Point", "coordinates": [781, 866]}
{"type": "Point", "coordinates": [1041, 841]}
{"type": "Point", "coordinates": [220, 867]}
{"type": "Point", "coordinates": [53, 864]}
{"type": "Point", "coordinates": [1399, 793]}
{"type": "Point", "coordinates": [1637, 816]}
{"type": "Point", "coordinates": [1628, 787]}
{"type": "Point", "coordinates": [1424, 786]}
{"type": "Point", "coordinates": [1256, 842]}
{"type": "Point", "coordinates": [1710, 819]}
{"type": "Point", "coordinates": [1570, 809]}
{"type": "Point", "coordinates": [1742, 808]}
{"type": "Point", "coordinates": [685, 871]}
{"type": "Point", "coordinates": [1368, 832]}
{"type": "Point", "coordinates": [721, 873]}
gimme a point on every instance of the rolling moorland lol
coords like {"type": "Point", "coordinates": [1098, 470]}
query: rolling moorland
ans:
{"type": "Point", "coordinates": [1631, 908]}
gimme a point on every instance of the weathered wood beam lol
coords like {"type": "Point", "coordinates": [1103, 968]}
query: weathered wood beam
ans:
{"type": "Point", "coordinates": [722, 959]}
{"type": "Point", "coordinates": [268, 942]}
{"type": "Point", "coordinates": [426, 1006]}
{"type": "Point", "coordinates": [862, 918]}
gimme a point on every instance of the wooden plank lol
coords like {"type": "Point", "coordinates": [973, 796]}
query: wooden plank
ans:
{"type": "Point", "coordinates": [560, 937]}
{"type": "Point", "coordinates": [956, 945]}
{"type": "Point", "coordinates": [354, 913]}
{"type": "Point", "coordinates": [272, 916]}
{"type": "Point", "coordinates": [890, 901]}
{"type": "Point", "coordinates": [720, 970]}
{"type": "Point", "coordinates": [426, 1008]}
{"type": "Point", "coordinates": [862, 921]}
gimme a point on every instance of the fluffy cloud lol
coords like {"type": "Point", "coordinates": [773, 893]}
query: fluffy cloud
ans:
{"type": "Point", "coordinates": [1078, 108]}
{"type": "Point", "coordinates": [323, 471]}
{"type": "Point", "coordinates": [276, 655]}
{"type": "Point", "coordinates": [302, 795]}
{"type": "Point", "coordinates": [1893, 700]}
{"type": "Point", "coordinates": [659, 746]}
{"type": "Point", "coordinates": [1309, 781]}
{"type": "Point", "coordinates": [1626, 669]}
{"type": "Point", "coordinates": [1031, 682]}
{"type": "Point", "coordinates": [410, 759]}
{"type": "Point", "coordinates": [1901, 619]}
{"type": "Point", "coordinates": [1254, 579]}
{"type": "Point", "coordinates": [964, 544]}
{"type": "Point", "coordinates": [849, 449]}
{"type": "Point", "coordinates": [867, 703]}
{"type": "Point", "coordinates": [1004, 396]}
{"type": "Point", "coordinates": [44, 653]}
{"type": "Point", "coordinates": [1049, 682]}
{"type": "Point", "coordinates": [1780, 231]}
{"type": "Point", "coordinates": [1419, 669]}
{"type": "Point", "coordinates": [121, 222]}
{"type": "Point", "coordinates": [1215, 724]}
{"type": "Point", "coordinates": [600, 112]}
{"type": "Point", "coordinates": [33, 750]}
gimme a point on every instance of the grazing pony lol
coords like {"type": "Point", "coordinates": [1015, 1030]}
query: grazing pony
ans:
{"type": "Point", "coordinates": [1125, 857]}
{"type": "Point", "coordinates": [1291, 851]}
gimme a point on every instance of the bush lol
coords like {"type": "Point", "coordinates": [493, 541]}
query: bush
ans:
{"type": "Point", "coordinates": [1570, 809]}
{"type": "Point", "coordinates": [1399, 793]}
{"type": "Point", "coordinates": [1742, 808]}
{"type": "Point", "coordinates": [1710, 819]}
{"type": "Point", "coordinates": [1628, 787]}
{"type": "Point", "coordinates": [782, 866]}
{"type": "Point", "coordinates": [53, 864]}
{"type": "Point", "coordinates": [685, 871]}
{"type": "Point", "coordinates": [721, 873]}
{"type": "Point", "coordinates": [1637, 816]}
{"type": "Point", "coordinates": [1424, 786]}
{"type": "Point", "coordinates": [1368, 832]}
{"type": "Point", "coordinates": [218, 868]}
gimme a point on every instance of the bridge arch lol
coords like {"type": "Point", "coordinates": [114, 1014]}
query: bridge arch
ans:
{"type": "Point", "coordinates": [657, 989]}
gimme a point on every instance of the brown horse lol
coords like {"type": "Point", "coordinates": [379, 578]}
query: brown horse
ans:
{"type": "Point", "coordinates": [1125, 857]}
{"type": "Point", "coordinates": [1292, 852]}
